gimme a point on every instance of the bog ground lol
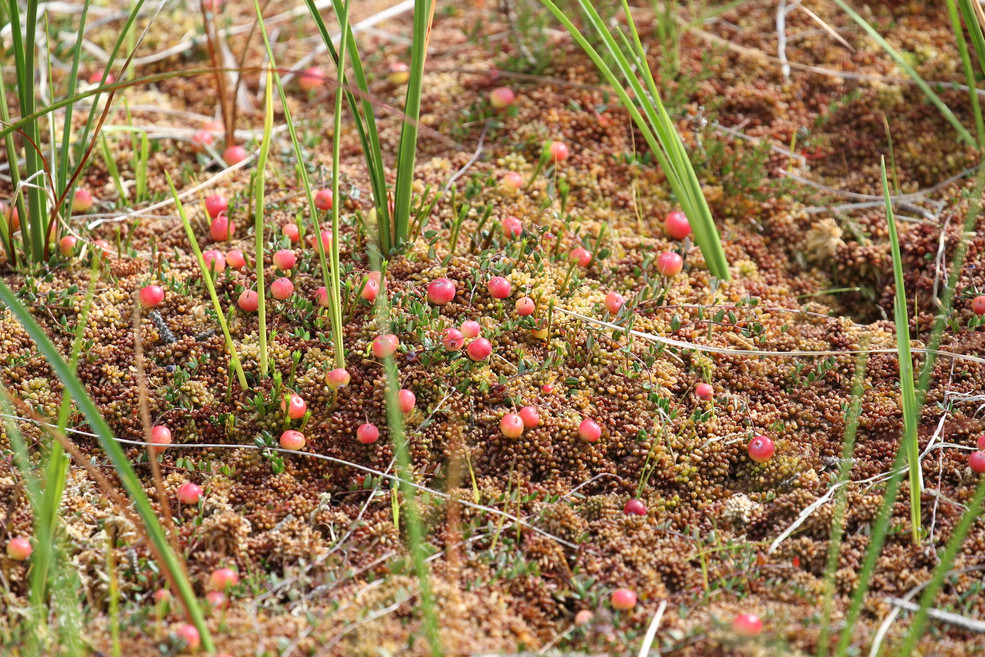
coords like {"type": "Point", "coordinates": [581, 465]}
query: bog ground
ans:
{"type": "Point", "coordinates": [502, 405]}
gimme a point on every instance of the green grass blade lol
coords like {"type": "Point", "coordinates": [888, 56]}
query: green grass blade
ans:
{"type": "Point", "coordinates": [911, 411]}
{"type": "Point", "coordinates": [963, 134]}
{"type": "Point", "coordinates": [407, 150]}
{"type": "Point", "coordinates": [210, 284]}
{"type": "Point", "coordinates": [336, 299]}
{"type": "Point", "coordinates": [969, 72]}
{"type": "Point", "coordinates": [73, 79]}
{"type": "Point", "coordinates": [259, 182]}
{"type": "Point", "coordinates": [168, 560]}
{"type": "Point", "coordinates": [971, 19]}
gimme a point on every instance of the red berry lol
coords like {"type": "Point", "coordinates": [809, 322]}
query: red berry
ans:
{"type": "Point", "coordinates": [479, 349]}
{"type": "Point", "coordinates": [670, 264]}
{"type": "Point", "coordinates": [214, 261]}
{"type": "Point", "coordinates": [221, 228]}
{"type": "Point", "coordinates": [385, 345]}
{"type": "Point", "coordinates": [189, 493]}
{"type": "Point", "coordinates": [321, 297]}
{"type": "Point", "coordinates": [290, 231]}
{"type": "Point", "coordinates": [291, 439]}
{"type": "Point", "coordinates": [511, 425]}
{"type": "Point", "coordinates": [294, 406]}
{"type": "Point", "coordinates": [201, 140]}
{"type": "Point", "coordinates": [370, 290]}
{"type": "Point", "coordinates": [499, 287]}
{"type": "Point", "coordinates": [453, 340]}
{"type": "Point", "coordinates": [530, 416]}
{"type": "Point", "coordinates": [367, 434]}
{"type": "Point", "coordinates": [285, 260]}
{"type": "Point", "coordinates": [589, 430]}
{"type": "Point", "coordinates": [160, 435]}
{"type": "Point", "coordinates": [236, 259]}
{"type": "Point", "coordinates": [634, 507]}
{"type": "Point", "coordinates": [761, 449]}
{"type": "Point", "coordinates": [622, 599]}
{"type": "Point", "coordinates": [189, 635]}
{"type": "Point", "coordinates": [406, 400]}
{"type": "Point", "coordinates": [323, 200]}
{"type": "Point", "coordinates": [441, 291]}
{"type": "Point", "coordinates": [978, 305]}
{"type": "Point", "coordinates": [282, 288]}
{"type": "Point", "coordinates": [704, 392]}
{"type": "Point", "coordinates": [977, 462]}
{"type": "Point", "coordinates": [19, 548]}
{"type": "Point", "coordinates": [581, 256]}
{"type": "Point", "coordinates": [558, 151]}
{"type": "Point", "coordinates": [614, 302]}
{"type": "Point", "coordinates": [234, 155]}
{"type": "Point", "coordinates": [747, 625]}
{"type": "Point", "coordinates": [216, 205]}
{"type": "Point", "coordinates": [66, 245]}
{"type": "Point", "coordinates": [338, 378]}
{"type": "Point", "coordinates": [676, 225]}
{"type": "Point", "coordinates": [512, 227]}
{"type": "Point", "coordinates": [151, 295]}
{"type": "Point", "coordinates": [525, 306]}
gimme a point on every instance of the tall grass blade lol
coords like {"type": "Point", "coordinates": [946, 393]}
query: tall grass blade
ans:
{"type": "Point", "coordinates": [336, 298]}
{"type": "Point", "coordinates": [168, 560]}
{"type": "Point", "coordinates": [969, 72]}
{"type": "Point", "coordinates": [258, 192]}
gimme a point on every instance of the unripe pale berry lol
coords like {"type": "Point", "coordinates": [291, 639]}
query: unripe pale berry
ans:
{"type": "Point", "coordinates": [223, 578]}
{"type": "Point", "coordinates": [978, 305]}
{"type": "Point", "coordinates": [189, 493]}
{"type": "Point", "coordinates": [221, 228]}
{"type": "Point", "coordinates": [311, 79]}
{"type": "Point", "coordinates": [338, 378]}
{"type": "Point", "coordinates": [19, 548]}
{"type": "Point", "coordinates": [581, 256]}
{"type": "Point", "coordinates": [512, 180]}
{"type": "Point", "coordinates": [323, 200]}
{"type": "Point", "coordinates": [471, 328]}
{"type": "Point", "coordinates": [292, 439]}
{"type": "Point", "coordinates": [530, 416]}
{"type": "Point", "coordinates": [525, 306]}
{"type": "Point", "coordinates": [670, 264]}
{"type": "Point", "coordinates": [66, 245]}
{"type": "Point", "coordinates": [977, 462]}
{"type": "Point", "coordinates": [282, 288]}
{"type": "Point", "coordinates": [453, 340]}
{"type": "Point", "coordinates": [294, 406]}
{"type": "Point", "coordinates": [634, 507]}
{"type": "Point", "coordinates": [236, 259]}
{"type": "Point", "coordinates": [614, 302]}
{"type": "Point", "coordinates": [589, 430]}
{"type": "Point", "coordinates": [82, 201]}
{"type": "Point", "coordinates": [704, 392]}
{"type": "Point", "coordinates": [558, 151]}
{"type": "Point", "coordinates": [676, 225]}
{"type": "Point", "coordinates": [151, 295]}
{"type": "Point", "coordinates": [622, 599]}
{"type": "Point", "coordinates": [160, 435]}
{"type": "Point", "coordinates": [761, 449]}
{"type": "Point", "coordinates": [249, 301]}
{"type": "Point", "coordinates": [367, 433]}
{"type": "Point", "coordinates": [479, 349]}
{"type": "Point", "coordinates": [501, 97]}
{"type": "Point", "coordinates": [234, 155]}
{"type": "Point", "coordinates": [747, 625]}
{"type": "Point", "coordinates": [499, 287]}
{"type": "Point", "coordinates": [511, 425]}
{"type": "Point", "coordinates": [512, 227]}
{"type": "Point", "coordinates": [187, 633]}
{"type": "Point", "coordinates": [216, 205]}
{"type": "Point", "coordinates": [441, 291]}
{"type": "Point", "coordinates": [583, 617]}
{"type": "Point", "coordinates": [399, 73]}
{"type": "Point", "coordinates": [406, 400]}
{"type": "Point", "coordinates": [284, 260]}
{"type": "Point", "coordinates": [385, 345]}
{"type": "Point", "coordinates": [214, 261]}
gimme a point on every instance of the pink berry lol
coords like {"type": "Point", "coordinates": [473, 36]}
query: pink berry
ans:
{"type": "Point", "coordinates": [581, 256]}
{"type": "Point", "coordinates": [676, 225]}
{"type": "Point", "coordinates": [323, 200]}
{"type": "Point", "coordinates": [187, 633]}
{"type": "Point", "coordinates": [370, 290]}
{"type": "Point", "coordinates": [367, 434]}
{"type": "Point", "coordinates": [19, 548]}
{"type": "Point", "coordinates": [326, 242]}
{"type": "Point", "coordinates": [512, 180]}
{"type": "Point", "coordinates": [747, 625]}
{"type": "Point", "coordinates": [202, 140]}
{"type": "Point", "coordinates": [704, 392]}
{"type": "Point", "coordinates": [311, 79]}
{"type": "Point", "coordinates": [525, 306]}
{"type": "Point", "coordinates": [547, 388]}
{"type": "Point", "coordinates": [614, 302]}
{"type": "Point", "coordinates": [499, 287]}
{"type": "Point", "coordinates": [151, 295]}
{"type": "Point", "coordinates": [321, 297]}
{"type": "Point", "coordinates": [670, 264]}
{"type": "Point", "coordinates": [634, 507]}
{"type": "Point", "coordinates": [66, 245]}
{"type": "Point", "coordinates": [501, 97]}
{"type": "Point", "coordinates": [441, 291]}
{"type": "Point", "coordinates": [294, 406]}
{"type": "Point", "coordinates": [189, 493]}
{"type": "Point", "coordinates": [236, 259]}
{"type": "Point", "coordinates": [291, 439]}
{"type": "Point", "coordinates": [589, 430]}
{"type": "Point", "coordinates": [453, 340]}
{"type": "Point", "coordinates": [479, 349]}
{"type": "Point", "coordinates": [583, 617]}
{"type": "Point", "coordinates": [234, 155]}
{"type": "Point", "coordinates": [761, 449]}
{"type": "Point", "coordinates": [221, 229]}
{"type": "Point", "coordinates": [558, 152]}
{"type": "Point", "coordinates": [530, 416]}
{"type": "Point", "coordinates": [97, 78]}
{"type": "Point", "coordinates": [977, 462]}
{"type": "Point", "coordinates": [978, 305]}
{"type": "Point", "coordinates": [223, 578]}
{"type": "Point", "coordinates": [981, 442]}
{"type": "Point", "coordinates": [217, 600]}
{"type": "Point", "coordinates": [216, 205]}
{"type": "Point", "coordinates": [162, 595]}
{"type": "Point", "coordinates": [82, 201]}
{"type": "Point", "coordinates": [511, 425]}
{"type": "Point", "coordinates": [622, 599]}
{"type": "Point", "coordinates": [285, 260]}
{"type": "Point", "coordinates": [103, 246]}
{"type": "Point", "coordinates": [290, 231]}
{"type": "Point", "coordinates": [282, 288]}
{"type": "Point", "coordinates": [406, 400]}
{"type": "Point", "coordinates": [471, 328]}
{"type": "Point", "coordinates": [160, 436]}
{"type": "Point", "coordinates": [214, 261]}
{"type": "Point", "coordinates": [249, 301]}
{"type": "Point", "coordinates": [385, 345]}
{"type": "Point", "coordinates": [338, 378]}
{"type": "Point", "coordinates": [512, 227]}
